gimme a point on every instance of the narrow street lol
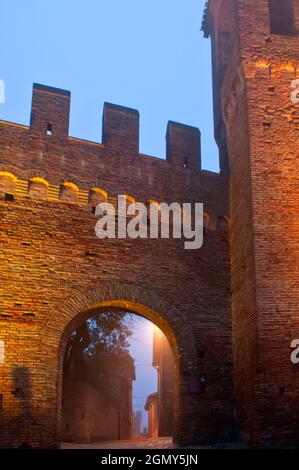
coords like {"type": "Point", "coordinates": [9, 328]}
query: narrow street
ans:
{"type": "Point", "coordinates": [159, 443]}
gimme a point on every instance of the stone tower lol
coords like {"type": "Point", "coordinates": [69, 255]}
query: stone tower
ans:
{"type": "Point", "coordinates": [255, 51]}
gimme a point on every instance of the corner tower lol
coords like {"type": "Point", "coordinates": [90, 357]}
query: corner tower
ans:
{"type": "Point", "coordinates": [255, 56]}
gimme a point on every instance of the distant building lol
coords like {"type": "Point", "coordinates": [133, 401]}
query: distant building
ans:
{"type": "Point", "coordinates": [151, 407]}
{"type": "Point", "coordinates": [136, 423]}
{"type": "Point", "coordinates": [160, 406]}
{"type": "Point", "coordinates": [89, 416]}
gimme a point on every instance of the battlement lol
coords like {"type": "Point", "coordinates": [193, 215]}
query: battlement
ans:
{"type": "Point", "coordinates": [50, 111]}
{"type": "Point", "coordinates": [42, 160]}
{"type": "Point", "coordinates": [50, 115]}
{"type": "Point", "coordinates": [183, 144]}
{"type": "Point", "coordinates": [121, 128]}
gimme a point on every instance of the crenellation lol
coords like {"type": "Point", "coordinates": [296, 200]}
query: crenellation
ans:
{"type": "Point", "coordinates": [50, 112]}
{"type": "Point", "coordinates": [121, 129]}
{"type": "Point", "coordinates": [183, 146]}
{"type": "Point", "coordinates": [114, 165]}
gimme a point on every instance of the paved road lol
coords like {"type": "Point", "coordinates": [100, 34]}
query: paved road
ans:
{"type": "Point", "coordinates": [160, 443]}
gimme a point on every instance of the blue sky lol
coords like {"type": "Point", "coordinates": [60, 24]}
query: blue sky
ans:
{"type": "Point", "coordinates": [145, 54]}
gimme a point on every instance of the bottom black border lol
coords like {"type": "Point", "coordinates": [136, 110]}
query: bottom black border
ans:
{"type": "Point", "coordinates": [147, 458]}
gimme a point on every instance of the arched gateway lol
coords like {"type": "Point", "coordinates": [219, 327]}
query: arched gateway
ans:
{"type": "Point", "coordinates": [144, 303]}
{"type": "Point", "coordinates": [56, 271]}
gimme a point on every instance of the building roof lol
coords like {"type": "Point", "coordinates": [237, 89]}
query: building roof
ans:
{"type": "Point", "coordinates": [152, 398]}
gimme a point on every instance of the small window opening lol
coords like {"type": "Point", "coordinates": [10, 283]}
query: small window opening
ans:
{"type": "Point", "coordinates": [49, 129]}
{"type": "Point", "coordinates": [282, 17]}
{"type": "Point", "coordinates": [186, 163]}
{"type": "Point", "coordinates": [9, 197]}
{"type": "Point", "coordinates": [1, 402]}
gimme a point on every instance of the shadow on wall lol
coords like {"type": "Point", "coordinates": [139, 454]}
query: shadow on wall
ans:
{"type": "Point", "coordinates": [23, 391]}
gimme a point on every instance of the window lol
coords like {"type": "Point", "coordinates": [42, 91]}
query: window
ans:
{"type": "Point", "coordinates": [8, 197]}
{"type": "Point", "coordinates": [49, 129]}
{"type": "Point", "coordinates": [282, 17]}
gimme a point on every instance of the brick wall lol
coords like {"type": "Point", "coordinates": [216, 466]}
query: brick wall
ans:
{"type": "Point", "coordinates": [262, 128]}
{"type": "Point", "coordinates": [88, 416]}
{"type": "Point", "coordinates": [55, 272]}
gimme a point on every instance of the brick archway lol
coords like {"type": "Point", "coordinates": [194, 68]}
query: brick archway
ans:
{"type": "Point", "coordinates": [146, 303]}
{"type": "Point", "coordinates": [142, 301]}
{"type": "Point", "coordinates": [54, 265]}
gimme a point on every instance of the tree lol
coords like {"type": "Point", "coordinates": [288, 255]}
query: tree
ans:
{"type": "Point", "coordinates": [98, 352]}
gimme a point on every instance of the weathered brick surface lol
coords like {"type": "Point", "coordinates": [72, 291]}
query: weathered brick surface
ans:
{"type": "Point", "coordinates": [89, 416]}
{"type": "Point", "coordinates": [253, 71]}
{"type": "Point", "coordinates": [55, 272]}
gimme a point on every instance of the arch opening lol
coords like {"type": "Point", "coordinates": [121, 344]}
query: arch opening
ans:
{"type": "Point", "coordinates": [124, 391]}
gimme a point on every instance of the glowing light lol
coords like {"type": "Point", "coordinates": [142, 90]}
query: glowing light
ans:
{"type": "Point", "coordinates": [8, 175]}
{"type": "Point", "coordinates": [100, 191]}
{"type": "Point", "coordinates": [2, 352]}
{"type": "Point", "coordinates": [262, 64]}
{"type": "Point", "coordinates": [39, 180]}
{"type": "Point", "coordinates": [289, 66]}
{"type": "Point", "coordinates": [70, 185]}
{"type": "Point", "coordinates": [157, 332]}
{"type": "Point", "coordinates": [129, 198]}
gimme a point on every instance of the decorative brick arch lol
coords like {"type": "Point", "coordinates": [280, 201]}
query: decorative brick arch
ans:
{"type": "Point", "coordinates": [126, 297]}
{"type": "Point", "coordinates": [143, 302]}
